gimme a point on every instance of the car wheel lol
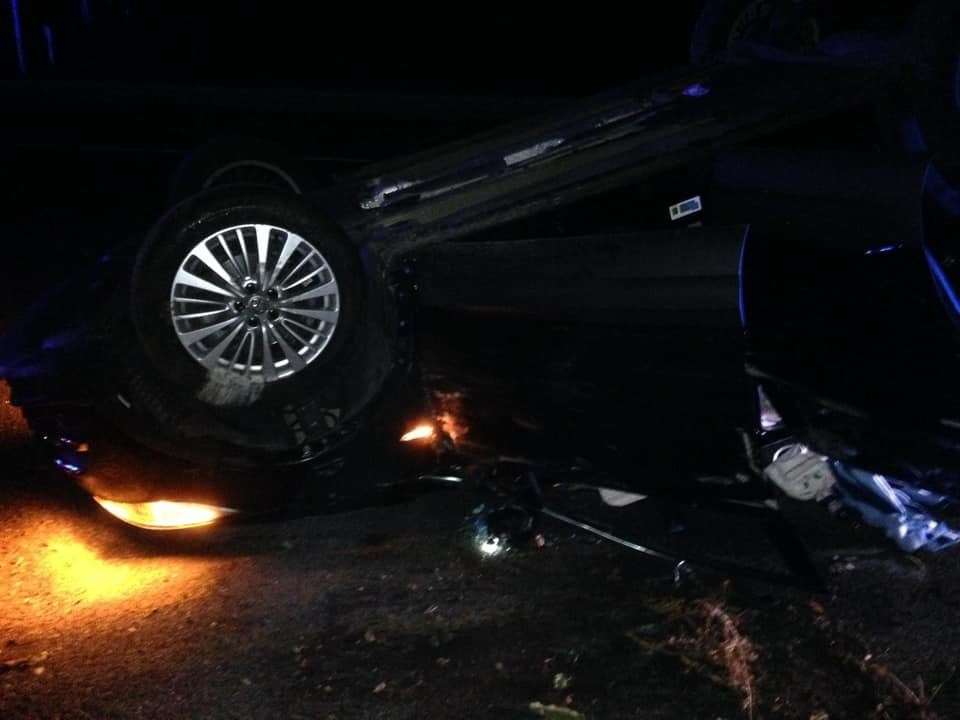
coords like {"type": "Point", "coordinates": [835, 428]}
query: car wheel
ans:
{"type": "Point", "coordinates": [253, 326]}
{"type": "Point", "coordinates": [239, 161]}
{"type": "Point", "coordinates": [791, 26]}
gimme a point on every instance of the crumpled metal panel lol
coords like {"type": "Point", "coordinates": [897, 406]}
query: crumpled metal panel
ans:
{"type": "Point", "coordinates": [903, 511]}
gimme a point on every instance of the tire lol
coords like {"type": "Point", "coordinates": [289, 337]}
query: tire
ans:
{"type": "Point", "coordinates": [239, 161]}
{"type": "Point", "coordinates": [724, 23]}
{"type": "Point", "coordinates": [182, 407]}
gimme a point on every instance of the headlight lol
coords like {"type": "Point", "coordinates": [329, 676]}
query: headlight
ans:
{"type": "Point", "coordinates": [423, 431]}
{"type": "Point", "coordinates": [164, 514]}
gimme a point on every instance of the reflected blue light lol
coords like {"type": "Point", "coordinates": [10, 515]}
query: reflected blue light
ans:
{"type": "Point", "coordinates": [48, 37]}
{"type": "Point", "coordinates": [696, 90]}
{"type": "Point", "coordinates": [942, 281]}
{"type": "Point", "coordinates": [67, 466]}
{"type": "Point", "coordinates": [881, 250]}
{"type": "Point", "coordinates": [18, 36]}
{"type": "Point", "coordinates": [59, 340]}
{"type": "Point", "coordinates": [946, 195]}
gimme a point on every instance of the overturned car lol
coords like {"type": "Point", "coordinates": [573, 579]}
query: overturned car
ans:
{"type": "Point", "coordinates": [672, 290]}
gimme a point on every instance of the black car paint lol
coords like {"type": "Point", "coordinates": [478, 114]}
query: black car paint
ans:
{"type": "Point", "coordinates": [555, 400]}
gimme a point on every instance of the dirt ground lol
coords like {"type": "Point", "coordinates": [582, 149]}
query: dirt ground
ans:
{"type": "Point", "coordinates": [384, 613]}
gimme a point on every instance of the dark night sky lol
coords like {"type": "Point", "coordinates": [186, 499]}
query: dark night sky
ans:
{"type": "Point", "coordinates": [466, 48]}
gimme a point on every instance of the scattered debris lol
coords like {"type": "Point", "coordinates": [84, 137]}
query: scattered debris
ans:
{"type": "Point", "coordinates": [717, 644]}
{"type": "Point", "coordinates": [561, 681]}
{"type": "Point", "coordinates": [379, 688]}
{"type": "Point", "coordinates": [618, 498]}
{"type": "Point", "coordinates": [735, 652]}
{"type": "Point", "coordinates": [32, 663]}
{"type": "Point", "coordinates": [18, 664]}
{"type": "Point", "coordinates": [903, 511]}
{"type": "Point", "coordinates": [555, 712]}
{"type": "Point", "coordinates": [801, 474]}
{"type": "Point", "coordinates": [886, 681]}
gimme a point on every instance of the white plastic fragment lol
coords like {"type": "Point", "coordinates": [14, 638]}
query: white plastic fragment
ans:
{"type": "Point", "coordinates": [801, 474]}
{"type": "Point", "coordinates": [618, 498]}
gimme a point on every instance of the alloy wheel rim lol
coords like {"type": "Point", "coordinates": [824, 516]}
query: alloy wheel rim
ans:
{"type": "Point", "coordinates": [257, 301]}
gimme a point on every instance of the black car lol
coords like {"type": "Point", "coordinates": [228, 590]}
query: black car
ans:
{"type": "Point", "coordinates": [728, 283]}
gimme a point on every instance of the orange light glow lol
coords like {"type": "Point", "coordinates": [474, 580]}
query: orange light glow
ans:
{"type": "Point", "coordinates": [423, 431]}
{"type": "Point", "coordinates": [164, 514]}
{"type": "Point", "coordinates": [13, 425]}
{"type": "Point", "coordinates": [75, 570]}
{"type": "Point", "coordinates": [60, 571]}
{"type": "Point", "coordinates": [452, 427]}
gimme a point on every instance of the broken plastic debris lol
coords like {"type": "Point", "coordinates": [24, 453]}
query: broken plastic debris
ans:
{"type": "Point", "coordinates": [492, 532]}
{"type": "Point", "coordinates": [33, 664]}
{"type": "Point", "coordinates": [898, 508]}
{"type": "Point", "coordinates": [555, 712]}
{"type": "Point", "coordinates": [770, 419]}
{"type": "Point", "coordinates": [801, 474]}
{"type": "Point", "coordinates": [618, 498]}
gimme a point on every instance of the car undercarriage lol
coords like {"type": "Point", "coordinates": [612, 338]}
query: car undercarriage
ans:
{"type": "Point", "coordinates": [667, 290]}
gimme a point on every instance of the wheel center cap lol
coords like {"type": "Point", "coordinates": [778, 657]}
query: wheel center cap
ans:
{"type": "Point", "coordinates": [258, 304]}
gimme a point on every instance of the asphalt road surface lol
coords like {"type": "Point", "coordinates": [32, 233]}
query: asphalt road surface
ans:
{"type": "Point", "coordinates": [385, 613]}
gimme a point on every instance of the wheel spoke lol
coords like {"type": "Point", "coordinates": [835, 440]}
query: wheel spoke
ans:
{"type": "Point", "coordinates": [303, 261]}
{"type": "Point", "coordinates": [248, 266]}
{"type": "Point", "coordinates": [289, 246]}
{"type": "Point", "coordinates": [203, 254]}
{"type": "Point", "coordinates": [233, 260]}
{"type": "Point", "coordinates": [289, 324]}
{"type": "Point", "coordinates": [327, 288]}
{"type": "Point", "coordinates": [306, 278]}
{"type": "Point", "coordinates": [293, 321]}
{"type": "Point", "coordinates": [293, 358]}
{"type": "Point", "coordinates": [208, 313]}
{"type": "Point", "coordinates": [269, 369]}
{"type": "Point", "coordinates": [201, 301]}
{"type": "Point", "coordinates": [185, 277]}
{"type": "Point", "coordinates": [194, 336]}
{"type": "Point", "coordinates": [251, 353]}
{"type": "Point", "coordinates": [236, 353]}
{"type": "Point", "coordinates": [263, 248]}
{"type": "Point", "coordinates": [329, 316]}
{"type": "Point", "coordinates": [212, 358]}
